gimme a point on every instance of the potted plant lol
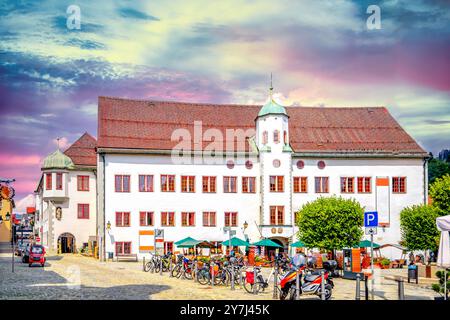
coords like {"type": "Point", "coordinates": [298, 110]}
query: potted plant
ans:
{"type": "Point", "coordinates": [439, 287]}
{"type": "Point", "coordinates": [258, 261]}
{"type": "Point", "coordinates": [385, 263]}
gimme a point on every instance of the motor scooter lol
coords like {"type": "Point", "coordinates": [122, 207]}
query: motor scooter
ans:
{"type": "Point", "coordinates": [310, 283]}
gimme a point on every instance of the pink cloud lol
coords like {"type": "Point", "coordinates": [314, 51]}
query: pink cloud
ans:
{"type": "Point", "coordinates": [22, 160]}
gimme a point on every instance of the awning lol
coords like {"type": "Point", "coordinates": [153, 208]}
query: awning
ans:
{"type": "Point", "coordinates": [179, 242]}
{"type": "Point", "coordinates": [267, 243]}
{"type": "Point", "coordinates": [298, 244]}
{"type": "Point", "coordinates": [236, 242]}
{"type": "Point", "coordinates": [366, 244]}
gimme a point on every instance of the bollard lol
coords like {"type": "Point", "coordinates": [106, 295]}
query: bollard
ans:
{"type": "Point", "coordinates": [232, 277]}
{"type": "Point", "coordinates": [275, 283]}
{"type": "Point", "coordinates": [170, 267]}
{"type": "Point", "coordinates": [401, 289]}
{"type": "Point", "coordinates": [297, 285]}
{"type": "Point", "coordinates": [254, 280]}
{"type": "Point", "coordinates": [143, 263]}
{"type": "Point", "coordinates": [194, 276]}
{"type": "Point", "coordinates": [358, 287]}
{"type": "Point", "coordinates": [366, 287]}
{"type": "Point", "coordinates": [322, 274]}
{"type": "Point", "coordinates": [160, 266]}
{"type": "Point", "coordinates": [212, 273]}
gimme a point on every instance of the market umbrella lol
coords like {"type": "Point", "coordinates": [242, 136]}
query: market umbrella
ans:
{"type": "Point", "coordinates": [267, 243]}
{"type": "Point", "coordinates": [298, 244]}
{"type": "Point", "coordinates": [189, 243]}
{"type": "Point", "coordinates": [366, 244]}
{"type": "Point", "coordinates": [236, 242]}
{"type": "Point", "coordinates": [179, 242]}
{"type": "Point", "coordinates": [443, 260]}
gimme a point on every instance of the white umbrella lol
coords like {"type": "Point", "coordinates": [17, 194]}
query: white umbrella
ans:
{"type": "Point", "coordinates": [443, 260]}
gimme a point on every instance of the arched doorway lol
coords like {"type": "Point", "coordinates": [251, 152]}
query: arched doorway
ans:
{"type": "Point", "coordinates": [272, 250]}
{"type": "Point", "coordinates": [66, 243]}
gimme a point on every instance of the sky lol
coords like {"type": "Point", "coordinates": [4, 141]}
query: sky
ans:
{"type": "Point", "coordinates": [321, 53]}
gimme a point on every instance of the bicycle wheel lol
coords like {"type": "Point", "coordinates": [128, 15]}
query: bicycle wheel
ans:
{"type": "Point", "coordinates": [176, 271]}
{"type": "Point", "coordinates": [148, 266]}
{"type": "Point", "coordinates": [188, 273]}
{"type": "Point", "coordinates": [252, 288]}
{"type": "Point", "coordinates": [203, 277]}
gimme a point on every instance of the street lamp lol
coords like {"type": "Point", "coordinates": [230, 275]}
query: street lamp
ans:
{"type": "Point", "coordinates": [245, 225]}
{"type": "Point", "coordinates": [8, 218]}
{"type": "Point", "coordinates": [108, 226]}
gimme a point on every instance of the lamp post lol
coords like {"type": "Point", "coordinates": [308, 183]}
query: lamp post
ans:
{"type": "Point", "coordinates": [8, 218]}
{"type": "Point", "coordinates": [108, 228]}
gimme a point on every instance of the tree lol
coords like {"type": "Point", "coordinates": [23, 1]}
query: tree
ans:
{"type": "Point", "coordinates": [437, 169]}
{"type": "Point", "coordinates": [418, 227]}
{"type": "Point", "coordinates": [330, 223]}
{"type": "Point", "coordinates": [440, 193]}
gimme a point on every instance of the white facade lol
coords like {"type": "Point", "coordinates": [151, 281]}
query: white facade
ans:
{"type": "Point", "coordinates": [50, 226]}
{"type": "Point", "coordinates": [275, 158]}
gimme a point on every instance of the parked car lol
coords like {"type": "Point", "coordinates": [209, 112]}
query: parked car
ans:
{"type": "Point", "coordinates": [36, 255]}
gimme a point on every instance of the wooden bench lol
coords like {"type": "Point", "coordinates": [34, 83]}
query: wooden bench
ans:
{"type": "Point", "coordinates": [128, 257]}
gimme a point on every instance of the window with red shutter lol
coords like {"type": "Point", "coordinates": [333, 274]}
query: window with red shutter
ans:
{"type": "Point", "coordinates": [83, 211]}
{"type": "Point", "coordinates": [48, 181]}
{"type": "Point", "coordinates": [321, 184]}
{"type": "Point", "coordinates": [276, 183]}
{"type": "Point", "coordinates": [277, 215]}
{"type": "Point", "coordinates": [145, 183]}
{"type": "Point", "coordinates": [248, 184]}
{"type": "Point", "coordinates": [229, 184]}
{"type": "Point", "coordinates": [122, 183]}
{"type": "Point", "coordinates": [59, 181]}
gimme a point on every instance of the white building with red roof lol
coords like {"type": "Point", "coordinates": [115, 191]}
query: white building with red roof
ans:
{"type": "Point", "coordinates": [66, 197]}
{"type": "Point", "coordinates": [192, 169]}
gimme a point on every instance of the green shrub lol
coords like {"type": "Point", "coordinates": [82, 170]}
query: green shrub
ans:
{"type": "Point", "coordinates": [440, 193]}
{"type": "Point", "coordinates": [440, 287]}
{"type": "Point", "coordinates": [330, 223]}
{"type": "Point", "coordinates": [418, 227]}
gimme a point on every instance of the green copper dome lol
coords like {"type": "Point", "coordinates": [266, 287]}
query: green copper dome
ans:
{"type": "Point", "coordinates": [272, 107]}
{"type": "Point", "coordinates": [57, 160]}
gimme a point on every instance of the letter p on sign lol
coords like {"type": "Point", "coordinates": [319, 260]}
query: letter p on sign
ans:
{"type": "Point", "coordinates": [371, 219]}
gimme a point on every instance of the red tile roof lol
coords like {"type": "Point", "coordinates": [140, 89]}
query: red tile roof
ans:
{"type": "Point", "coordinates": [141, 124]}
{"type": "Point", "coordinates": [82, 152]}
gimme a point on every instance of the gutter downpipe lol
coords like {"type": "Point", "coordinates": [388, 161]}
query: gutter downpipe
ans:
{"type": "Point", "coordinates": [425, 178]}
{"type": "Point", "coordinates": [103, 213]}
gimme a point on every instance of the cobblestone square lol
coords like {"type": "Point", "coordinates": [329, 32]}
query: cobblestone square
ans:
{"type": "Point", "coordinates": [82, 278]}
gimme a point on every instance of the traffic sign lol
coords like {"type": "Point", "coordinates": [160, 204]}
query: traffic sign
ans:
{"type": "Point", "coordinates": [38, 239]}
{"type": "Point", "coordinates": [371, 219]}
{"type": "Point", "coordinates": [371, 230]}
{"type": "Point", "coordinates": [159, 233]}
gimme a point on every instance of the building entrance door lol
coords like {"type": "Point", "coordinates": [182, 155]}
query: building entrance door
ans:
{"type": "Point", "coordinates": [66, 243]}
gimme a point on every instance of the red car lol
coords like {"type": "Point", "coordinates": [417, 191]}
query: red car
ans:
{"type": "Point", "coordinates": [37, 255]}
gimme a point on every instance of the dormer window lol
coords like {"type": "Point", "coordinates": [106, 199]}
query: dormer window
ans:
{"type": "Point", "coordinates": [265, 137]}
{"type": "Point", "coordinates": [276, 136]}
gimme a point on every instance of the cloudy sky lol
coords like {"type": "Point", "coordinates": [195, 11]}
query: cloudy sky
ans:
{"type": "Point", "coordinates": [321, 53]}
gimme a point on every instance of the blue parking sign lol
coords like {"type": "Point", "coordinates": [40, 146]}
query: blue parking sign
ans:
{"type": "Point", "coordinates": [371, 219]}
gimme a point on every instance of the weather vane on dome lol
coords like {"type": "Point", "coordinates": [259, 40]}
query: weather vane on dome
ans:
{"type": "Point", "coordinates": [57, 142]}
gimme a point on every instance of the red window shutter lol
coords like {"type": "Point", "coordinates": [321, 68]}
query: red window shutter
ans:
{"type": "Point", "coordinates": [171, 218]}
{"type": "Point", "coordinates": [234, 219]}
{"type": "Point", "coordinates": [48, 181]}
{"type": "Point", "coordinates": [280, 215]}
{"type": "Point", "coordinates": [192, 219]}
{"type": "Point", "coordinates": [212, 219]}
{"type": "Point", "coordinates": [119, 248]}
{"type": "Point", "coordinates": [118, 219]}
{"type": "Point", "coordinates": [142, 220]}
{"type": "Point", "coordinates": [272, 215]}
{"type": "Point", "coordinates": [163, 218]}
{"type": "Point", "coordinates": [127, 247]}
{"type": "Point", "coordinates": [212, 184]}
{"type": "Point", "coordinates": [227, 219]}
{"type": "Point", "coordinates": [205, 219]}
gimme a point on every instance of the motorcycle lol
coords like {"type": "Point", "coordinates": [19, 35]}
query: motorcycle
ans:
{"type": "Point", "coordinates": [310, 283]}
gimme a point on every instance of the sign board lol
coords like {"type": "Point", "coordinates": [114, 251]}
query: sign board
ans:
{"type": "Point", "coordinates": [232, 232]}
{"type": "Point", "coordinates": [371, 230]}
{"type": "Point", "coordinates": [38, 239]}
{"type": "Point", "coordinates": [371, 219]}
{"type": "Point", "coordinates": [159, 233]}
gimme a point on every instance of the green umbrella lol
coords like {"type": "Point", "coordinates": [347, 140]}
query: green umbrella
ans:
{"type": "Point", "coordinates": [184, 240]}
{"type": "Point", "coordinates": [366, 244]}
{"type": "Point", "coordinates": [236, 242]}
{"type": "Point", "coordinates": [267, 243]}
{"type": "Point", "coordinates": [298, 244]}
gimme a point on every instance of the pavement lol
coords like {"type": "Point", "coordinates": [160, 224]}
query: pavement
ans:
{"type": "Point", "coordinates": [73, 276]}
